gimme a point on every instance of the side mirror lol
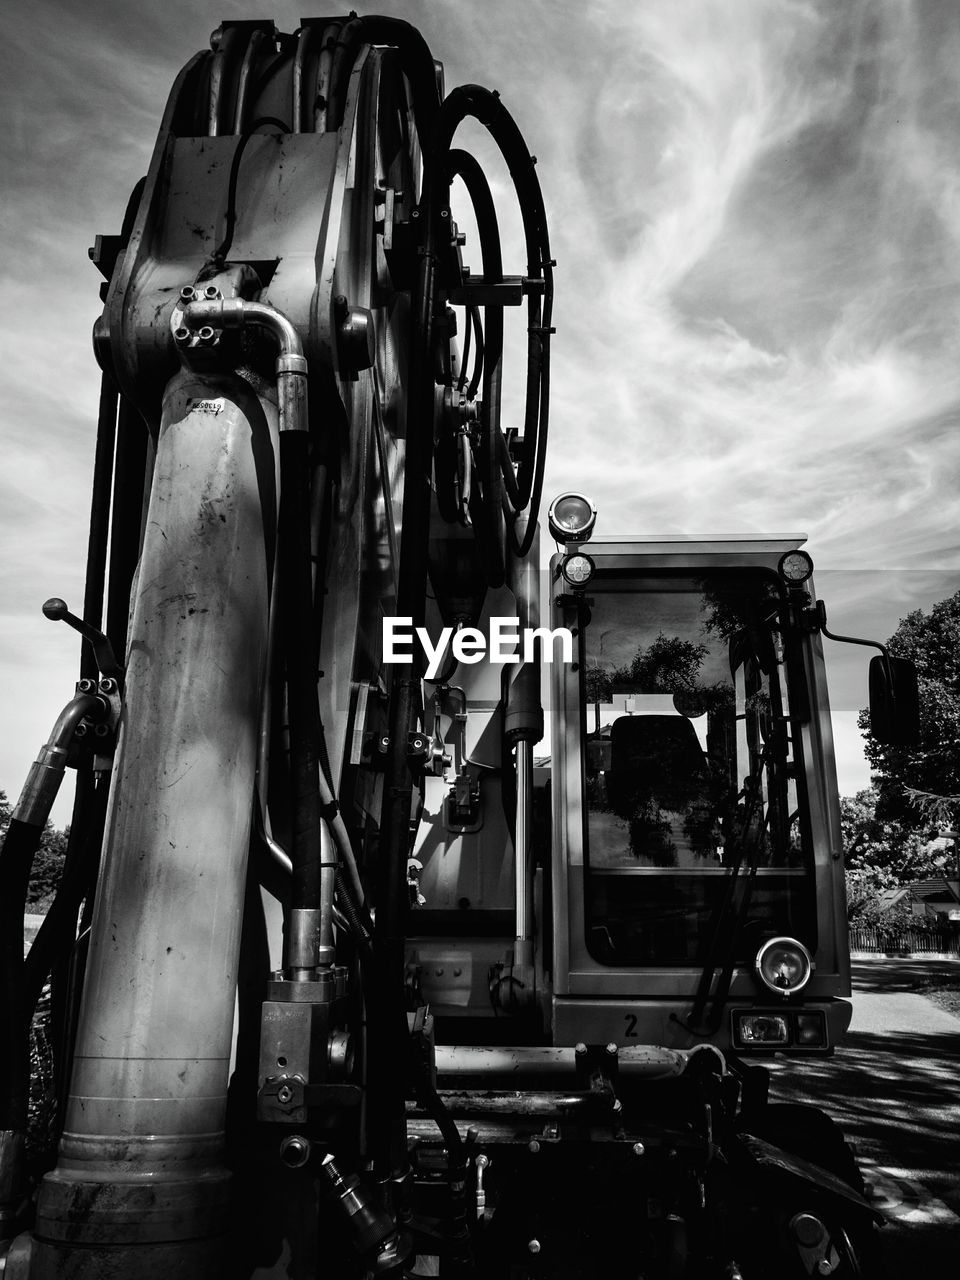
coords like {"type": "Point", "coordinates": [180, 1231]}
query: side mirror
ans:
{"type": "Point", "coordinates": [894, 701]}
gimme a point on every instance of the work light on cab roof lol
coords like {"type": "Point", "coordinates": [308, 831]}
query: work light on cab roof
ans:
{"type": "Point", "coordinates": [571, 518]}
{"type": "Point", "coordinates": [795, 567]}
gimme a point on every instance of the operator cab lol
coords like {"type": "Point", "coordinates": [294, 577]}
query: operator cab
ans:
{"type": "Point", "coordinates": [695, 804]}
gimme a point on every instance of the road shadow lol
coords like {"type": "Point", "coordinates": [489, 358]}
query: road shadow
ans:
{"type": "Point", "coordinates": [896, 1096]}
{"type": "Point", "coordinates": [884, 976]}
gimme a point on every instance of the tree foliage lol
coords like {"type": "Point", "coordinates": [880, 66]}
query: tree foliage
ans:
{"type": "Point", "coordinates": [669, 665]}
{"type": "Point", "coordinates": [931, 768]}
{"type": "Point", "coordinates": [881, 853]}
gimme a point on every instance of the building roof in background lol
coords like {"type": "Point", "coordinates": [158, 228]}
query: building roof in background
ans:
{"type": "Point", "coordinates": [935, 889]}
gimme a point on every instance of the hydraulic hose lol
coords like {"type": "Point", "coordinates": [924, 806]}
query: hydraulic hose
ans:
{"type": "Point", "coordinates": [16, 858]}
{"type": "Point", "coordinates": [472, 101]}
{"type": "Point", "coordinates": [56, 934]}
{"type": "Point", "coordinates": [309, 887]}
{"type": "Point", "coordinates": [297, 632]}
{"type": "Point", "coordinates": [488, 502]}
{"type": "Point", "coordinates": [415, 58]}
{"type": "Point", "coordinates": [99, 519]}
{"type": "Point", "coordinates": [126, 517]}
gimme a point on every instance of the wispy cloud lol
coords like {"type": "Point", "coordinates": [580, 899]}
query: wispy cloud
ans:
{"type": "Point", "coordinates": [756, 211]}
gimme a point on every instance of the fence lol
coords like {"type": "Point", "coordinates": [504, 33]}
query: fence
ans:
{"type": "Point", "coordinates": [906, 941]}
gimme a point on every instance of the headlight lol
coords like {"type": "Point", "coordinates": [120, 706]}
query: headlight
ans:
{"type": "Point", "coordinates": [784, 965]}
{"type": "Point", "coordinates": [571, 518]}
{"type": "Point", "coordinates": [756, 1029]}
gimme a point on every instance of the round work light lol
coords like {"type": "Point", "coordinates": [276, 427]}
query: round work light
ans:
{"type": "Point", "coordinates": [571, 517]}
{"type": "Point", "coordinates": [577, 569]}
{"type": "Point", "coordinates": [784, 965]}
{"type": "Point", "coordinates": [795, 567]}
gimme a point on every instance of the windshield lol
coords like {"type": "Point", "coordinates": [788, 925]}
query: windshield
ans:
{"type": "Point", "coordinates": [690, 764]}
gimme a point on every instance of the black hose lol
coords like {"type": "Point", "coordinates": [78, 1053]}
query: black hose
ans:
{"type": "Point", "coordinates": [219, 255]}
{"type": "Point", "coordinates": [484, 106]}
{"type": "Point", "coordinates": [127, 513]}
{"type": "Point", "coordinates": [16, 858]}
{"type": "Point", "coordinates": [57, 933]}
{"type": "Point", "coordinates": [298, 637]}
{"type": "Point", "coordinates": [98, 537]}
{"type": "Point", "coordinates": [488, 508]}
{"type": "Point", "coordinates": [415, 58]}
{"type": "Point", "coordinates": [478, 359]}
{"type": "Point", "coordinates": [361, 926]}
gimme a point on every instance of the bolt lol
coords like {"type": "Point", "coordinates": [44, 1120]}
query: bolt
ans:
{"type": "Point", "coordinates": [580, 1049]}
{"type": "Point", "coordinates": [80, 731]}
{"type": "Point", "coordinates": [182, 334]}
{"type": "Point", "coordinates": [533, 1246]}
{"type": "Point", "coordinates": [482, 1161]}
{"type": "Point", "coordinates": [638, 1149]}
{"type": "Point", "coordinates": [211, 292]}
{"type": "Point", "coordinates": [533, 1146]}
{"type": "Point", "coordinates": [101, 730]}
{"type": "Point", "coordinates": [108, 686]}
{"type": "Point", "coordinates": [186, 293]}
{"type": "Point", "coordinates": [438, 973]}
{"type": "Point", "coordinates": [824, 1268]}
{"type": "Point", "coordinates": [612, 1049]}
{"type": "Point", "coordinates": [457, 973]}
{"type": "Point", "coordinates": [87, 686]}
{"type": "Point", "coordinates": [284, 1094]}
{"type": "Point", "coordinates": [295, 1151]}
{"type": "Point", "coordinates": [206, 333]}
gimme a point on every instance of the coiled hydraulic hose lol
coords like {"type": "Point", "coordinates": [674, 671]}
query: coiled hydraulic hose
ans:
{"type": "Point", "coordinates": [520, 495]}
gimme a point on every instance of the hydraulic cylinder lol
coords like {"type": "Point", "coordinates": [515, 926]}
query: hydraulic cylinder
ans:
{"type": "Point", "coordinates": [140, 1188]}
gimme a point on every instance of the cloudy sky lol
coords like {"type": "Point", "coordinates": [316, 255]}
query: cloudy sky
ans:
{"type": "Point", "coordinates": [755, 207]}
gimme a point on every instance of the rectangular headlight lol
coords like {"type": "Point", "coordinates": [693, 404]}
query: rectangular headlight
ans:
{"type": "Point", "coordinates": [756, 1029]}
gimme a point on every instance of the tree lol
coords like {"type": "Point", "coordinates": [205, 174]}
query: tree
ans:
{"type": "Point", "coordinates": [931, 767]}
{"type": "Point", "coordinates": [880, 853]}
{"type": "Point", "coordinates": [669, 665]}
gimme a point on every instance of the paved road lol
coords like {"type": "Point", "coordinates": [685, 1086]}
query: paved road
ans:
{"type": "Point", "coordinates": [894, 1088]}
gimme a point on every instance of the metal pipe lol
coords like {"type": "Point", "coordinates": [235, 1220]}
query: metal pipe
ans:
{"type": "Point", "coordinates": [291, 367]}
{"type": "Point", "coordinates": [459, 1061]}
{"type": "Point", "coordinates": [523, 946]}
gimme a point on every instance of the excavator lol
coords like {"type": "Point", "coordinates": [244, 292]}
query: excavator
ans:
{"type": "Point", "coordinates": [342, 980]}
